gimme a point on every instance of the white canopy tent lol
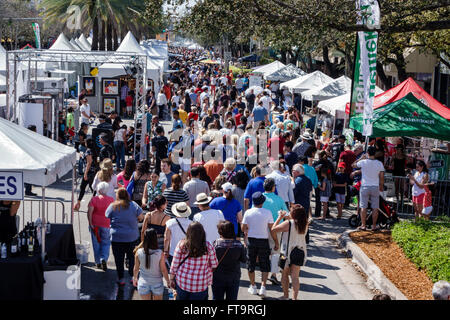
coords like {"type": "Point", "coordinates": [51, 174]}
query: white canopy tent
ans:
{"type": "Point", "coordinates": [339, 103]}
{"type": "Point", "coordinates": [269, 68]}
{"type": "Point", "coordinates": [41, 159]}
{"type": "Point", "coordinates": [75, 45]}
{"type": "Point", "coordinates": [84, 42]}
{"type": "Point", "coordinates": [287, 73]}
{"type": "Point", "coordinates": [130, 44]}
{"type": "Point", "coordinates": [332, 89]}
{"type": "Point", "coordinates": [307, 82]}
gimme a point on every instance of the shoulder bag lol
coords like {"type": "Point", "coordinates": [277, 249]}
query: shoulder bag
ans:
{"type": "Point", "coordinates": [130, 187]}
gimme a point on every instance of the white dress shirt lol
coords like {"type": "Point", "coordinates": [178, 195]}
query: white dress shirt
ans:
{"type": "Point", "coordinates": [284, 186]}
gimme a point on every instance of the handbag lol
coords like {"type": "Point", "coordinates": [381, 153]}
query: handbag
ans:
{"type": "Point", "coordinates": [130, 187]}
{"type": "Point", "coordinates": [283, 258]}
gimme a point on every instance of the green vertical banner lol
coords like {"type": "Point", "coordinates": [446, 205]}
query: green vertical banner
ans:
{"type": "Point", "coordinates": [365, 72]}
{"type": "Point", "coordinates": [37, 35]}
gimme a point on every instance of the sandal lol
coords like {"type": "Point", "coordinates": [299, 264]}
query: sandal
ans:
{"type": "Point", "coordinates": [362, 228]}
{"type": "Point", "coordinates": [376, 229]}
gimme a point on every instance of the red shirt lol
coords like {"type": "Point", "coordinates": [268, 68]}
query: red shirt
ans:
{"type": "Point", "coordinates": [100, 204]}
{"type": "Point", "coordinates": [195, 274]}
{"type": "Point", "coordinates": [349, 157]}
{"type": "Point", "coordinates": [274, 141]}
{"type": "Point", "coordinates": [192, 115]}
{"type": "Point", "coordinates": [167, 92]}
{"type": "Point", "coordinates": [237, 118]}
{"type": "Point", "coordinates": [197, 91]}
{"type": "Point", "coordinates": [129, 101]}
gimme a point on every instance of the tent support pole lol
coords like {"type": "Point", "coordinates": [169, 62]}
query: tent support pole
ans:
{"type": "Point", "coordinates": [73, 194]}
{"type": "Point", "coordinates": [43, 228]}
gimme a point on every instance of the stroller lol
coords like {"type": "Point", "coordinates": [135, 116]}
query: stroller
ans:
{"type": "Point", "coordinates": [387, 216]}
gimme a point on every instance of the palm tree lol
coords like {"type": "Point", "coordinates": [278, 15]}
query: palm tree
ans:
{"type": "Point", "coordinates": [110, 15]}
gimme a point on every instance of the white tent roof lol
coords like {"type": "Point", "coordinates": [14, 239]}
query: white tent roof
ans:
{"type": "Point", "coordinates": [2, 59]}
{"type": "Point", "coordinates": [329, 90]}
{"type": "Point", "coordinates": [62, 43]}
{"type": "Point", "coordinates": [1, 48]}
{"type": "Point", "coordinates": [2, 82]}
{"type": "Point", "coordinates": [306, 82]}
{"type": "Point", "coordinates": [130, 44]}
{"type": "Point", "coordinates": [338, 103]}
{"type": "Point", "coordinates": [269, 68]}
{"type": "Point", "coordinates": [82, 47]}
{"type": "Point", "coordinates": [84, 42]}
{"type": "Point", "coordinates": [41, 159]}
{"type": "Point", "coordinates": [75, 45]}
{"type": "Point", "coordinates": [285, 74]}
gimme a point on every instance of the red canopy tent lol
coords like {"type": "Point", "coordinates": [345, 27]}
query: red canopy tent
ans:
{"type": "Point", "coordinates": [401, 90]}
{"type": "Point", "coordinates": [407, 86]}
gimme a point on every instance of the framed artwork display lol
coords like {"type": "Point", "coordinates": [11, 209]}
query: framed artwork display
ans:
{"type": "Point", "coordinates": [89, 86]}
{"type": "Point", "coordinates": [110, 87]}
{"type": "Point", "coordinates": [109, 105]}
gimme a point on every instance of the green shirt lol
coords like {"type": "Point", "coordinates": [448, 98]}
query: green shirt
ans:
{"type": "Point", "coordinates": [274, 203]}
{"type": "Point", "coordinates": [69, 121]}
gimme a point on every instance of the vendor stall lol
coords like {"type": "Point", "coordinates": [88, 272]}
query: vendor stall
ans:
{"type": "Point", "coordinates": [40, 161]}
{"type": "Point", "coordinates": [287, 73]}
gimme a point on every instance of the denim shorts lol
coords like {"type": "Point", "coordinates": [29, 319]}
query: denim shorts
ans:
{"type": "Point", "coordinates": [340, 198]}
{"type": "Point", "coordinates": [147, 288]}
{"type": "Point", "coordinates": [372, 194]}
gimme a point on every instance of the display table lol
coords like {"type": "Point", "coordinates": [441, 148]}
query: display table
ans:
{"type": "Point", "coordinates": [60, 245]}
{"type": "Point", "coordinates": [21, 278]}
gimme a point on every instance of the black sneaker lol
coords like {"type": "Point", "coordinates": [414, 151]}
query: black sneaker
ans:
{"type": "Point", "coordinates": [274, 280]}
{"type": "Point", "coordinates": [31, 194]}
{"type": "Point", "coordinates": [104, 266]}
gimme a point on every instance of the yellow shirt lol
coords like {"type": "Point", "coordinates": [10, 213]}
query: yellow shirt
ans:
{"type": "Point", "coordinates": [183, 115]}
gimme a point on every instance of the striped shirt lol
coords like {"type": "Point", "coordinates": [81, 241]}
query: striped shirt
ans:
{"type": "Point", "coordinates": [174, 196]}
{"type": "Point", "coordinates": [193, 188]}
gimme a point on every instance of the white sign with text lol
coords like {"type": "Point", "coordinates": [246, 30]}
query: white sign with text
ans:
{"type": "Point", "coordinates": [11, 185]}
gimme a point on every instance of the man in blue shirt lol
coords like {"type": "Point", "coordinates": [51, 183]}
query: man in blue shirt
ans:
{"type": "Point", "coordinates": [303, 187]}
{"type": "Point", "coordinates": [260, 113]}
{"type": "Point", "coordinates": [290, 157]}
{"type": "Point", "coordinates": [254, 185]}
{"type": "Point", "coordinates": [177, 123]}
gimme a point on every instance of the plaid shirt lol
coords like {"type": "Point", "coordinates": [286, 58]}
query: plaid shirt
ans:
{"type": "Point", "coordinates": [195, 274]}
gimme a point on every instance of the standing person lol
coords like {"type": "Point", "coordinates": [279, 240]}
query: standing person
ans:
{"type": "Point", "coordinates": [161, 102]}
{"type": "Point", "coordinates": [176, 229]}
{"type": "Point", "coordinates": [418, 181]}
{"type": "Point", "coordinates": [90, 164]}
{"type": "Point", "coordinates": [274, 204]}
{"type": "Point", "coordinates": [293, 247]}
{"type": "Point", "coordinates": [194, 187]}
{"type": "Point", "coordinates": [348, 157]}
{"type": "Point", "coordinates": [399, 170]}
{"type": "Point", "coordinates": [175, 194]}
{"type": "Point", "coordinates": [120, 145]}
{"type": "Point", "coordinates": [250, 98]}
{"type": "Point", "coordinates": [150, 264]}
{"type": "Point", "coordinates": [106, 174]}
{"type": "Point", "coordinates": [166, 173]}
{"type": "Point", "coordinates": [85, 111]}
{"type": "Point", "coordinates": [99, 225]}
{"type": "Point", "coordinates": [213, 167]}
{"type": "Point", "coordinates": [141, 176]}
{"type": "Point", "coordinates": [256, 184]}
{"type": "Point", "coordinates": [372, 183]}
{"type": "Point", "coordinates": [123, 178]}
{"type": "Point", "coordinates": [8, 225]}
{"type": "Point", "coordinates": [303, 187]}
{"type": "Point", "coordinates": [124, 90]}
{"type": "Point", "coordinates": [282, 182]}
{"type": "Point", "coordinates": [160, 147]}
{"type": "Point", "coordinates": [240, 182]}
{"type": "Point", "coordinates": [230, 253]}
{"type": "Point", "coordinates": [256, 225]}
{"type": "Point", "coordinates": [340, 185]}
{"type": "Point", "coordinates": [70, 124]}
{"type": "Point", "coordinates": [193, 264]}
{"type": "Point", "coordinates": [290, 157]}
{"type": "Point", "coordinates": [156, 219]}
{"type": "Point", "coordinates": [124, 216]}
{"type": "Point", "coordinates": [129, 103]}
{"type": "Point", "coordinates": [106, 151]}
{"type": "Point", "coordinates": [209, 218]}
{"type": "Point", "coordinates": [325, 191]}
{"type": "Point", "coordinates": [152, 188]}
{"type": "Point", "coordinates": [230, 207]}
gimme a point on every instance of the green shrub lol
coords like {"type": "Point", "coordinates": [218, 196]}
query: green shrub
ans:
{"type": "Point", "coordinates": [427, 244]}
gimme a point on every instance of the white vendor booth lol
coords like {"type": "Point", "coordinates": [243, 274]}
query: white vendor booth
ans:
{"type": "Point", "coordinates": [42, 162]}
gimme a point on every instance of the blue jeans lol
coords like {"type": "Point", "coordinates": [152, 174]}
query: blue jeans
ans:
{"type": "Point", "coordinates": [101, 249]}
{"type": "Point", "coordinates": [225, 286]}
{"type": "Point", "coordinates": [185, 295]}
{"type": "Point", "coordinates": [119, 146]}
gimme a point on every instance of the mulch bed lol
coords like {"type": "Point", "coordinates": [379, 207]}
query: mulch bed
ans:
{"type": "Point", "coordinates": [389, 257]}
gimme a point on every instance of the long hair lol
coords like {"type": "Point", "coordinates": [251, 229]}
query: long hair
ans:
{"type": "Point", "coordinates": [176, 182]}
{"type": "Point", "coordinates": [150, 242]}
{"type": "Point", "coordinates": [143, 167]}
{"type": "Point", "coordinates": [241, 179]}
{"type": "Point", "coordinates": [106, 170]}
{"type": "Point", "coordinates": [130, 167]}
{"type": "Point", "coordinates": [300, 217]}
{"type": "Point", "coordinates": [196, 240]}
{"type": "Point", "coordinates": [423, 165]}
{"type": "Point", "coordinates": [122, 199]}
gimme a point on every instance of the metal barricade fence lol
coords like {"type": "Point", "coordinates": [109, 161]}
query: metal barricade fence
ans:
{"type": "Point", "coordinates": [402, 197]}
{"type": "Point", "coordinates": [31, 209]}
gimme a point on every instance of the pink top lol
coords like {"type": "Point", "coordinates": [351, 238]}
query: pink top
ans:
{"type": "Point", "coordinates": [100, 204]}
{"type": "Point", "coordinates": [121, 179]}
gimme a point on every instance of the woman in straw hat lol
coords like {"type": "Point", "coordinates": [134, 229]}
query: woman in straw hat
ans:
{"type": "Point", "coordinates": [176, 228]}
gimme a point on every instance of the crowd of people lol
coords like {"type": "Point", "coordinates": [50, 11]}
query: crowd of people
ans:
{"type": "Point", "coordinates": [231, 182]}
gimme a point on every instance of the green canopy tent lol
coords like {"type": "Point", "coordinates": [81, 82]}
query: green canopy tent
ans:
{"type": "Point", "coordinates": [406, 117]}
